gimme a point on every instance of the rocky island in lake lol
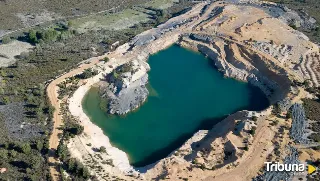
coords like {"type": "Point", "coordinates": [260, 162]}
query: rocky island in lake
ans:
{"type": "Point", "coordinates": [125, 88]}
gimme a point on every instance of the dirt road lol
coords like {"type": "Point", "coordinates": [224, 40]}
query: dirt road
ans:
{"type": "Point", "coordinates": [57, 118]}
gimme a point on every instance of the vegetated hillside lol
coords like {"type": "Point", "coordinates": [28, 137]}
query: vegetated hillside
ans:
{"type": "Point", "coordinates": [16, 14]}
{"type": "Point", "coordinates": [311, 7]}
{"type": "Point", "coordinates": [24, 83]}
{"type": "Point", "coordinates": [312, 108]}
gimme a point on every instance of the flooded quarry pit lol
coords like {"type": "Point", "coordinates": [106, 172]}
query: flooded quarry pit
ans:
{"type": "Point", "coordinates": [186, 94]}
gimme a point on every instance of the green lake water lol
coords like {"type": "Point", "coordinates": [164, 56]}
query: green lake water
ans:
{"type": "Point", "coordinates": [186, 94]}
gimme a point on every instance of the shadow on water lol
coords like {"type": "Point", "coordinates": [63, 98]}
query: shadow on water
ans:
{"type": "Point", "coordinates": [257, 100]}
{"type": "Point", "coordinates": [206, 124]}
{"type": "Point", "coordinates": [154, 157]}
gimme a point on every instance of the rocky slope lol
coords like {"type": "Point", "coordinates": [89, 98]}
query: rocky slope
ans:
{"type": "Point", "coordinates": [126, 89]}
{"type": "Point", "coordinates": [237, 61]}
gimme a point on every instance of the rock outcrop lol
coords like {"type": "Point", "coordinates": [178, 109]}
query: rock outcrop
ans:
{"type": "Point", "coordinates": [235, 61]}
{"type": "Point", "coordinates": [126, 88]}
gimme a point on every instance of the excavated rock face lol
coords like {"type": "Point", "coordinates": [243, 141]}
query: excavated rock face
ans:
{"type": "Point", "coordinates": [126, 89]}
{"type": "Point", "coordinates": [236, 61]}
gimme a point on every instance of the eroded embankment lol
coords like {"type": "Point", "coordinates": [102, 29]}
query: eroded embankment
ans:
{"type": "Point", "coordinates": [242, 63]}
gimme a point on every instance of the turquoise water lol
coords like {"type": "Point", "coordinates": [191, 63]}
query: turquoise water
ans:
{"type": "Point", "coordinates": [186, 94]}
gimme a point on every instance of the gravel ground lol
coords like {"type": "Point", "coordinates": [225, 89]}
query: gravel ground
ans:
{"type": "Point", "coordinates": [9, 51]}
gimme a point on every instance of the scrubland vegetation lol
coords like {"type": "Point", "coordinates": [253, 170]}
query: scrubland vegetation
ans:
{"type": "Point", "coordinates": [312, 108]}
{"type": "Point", "coordinates": [24, 160]}
{"type": "Point", "coordinates": [305, 6]}
{"type": "Point", "coordinates": [73, 167]}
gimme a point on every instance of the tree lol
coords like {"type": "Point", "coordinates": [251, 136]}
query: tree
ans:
{"type": "Point", "coordinates": [33, 37]}
{"type": "Point", "coordinates": [49, 35]}
{"type": "Point", "coordinates": [75, 129]}
{"type": "Point", "coordinates": [253, 131]}
{"type": "Point", "coordinates": [85, 173]}
{"type": "Point", "coordinates": [6, 40]}
{"type": "Point", "coordinates": [293, 25]}
{"type": "Point", "coordinates": [6, 100]}
{"type": "Point", "coordinates": [13, 153]}
{"type": "Point", "coordinates": [35, 162]}
{"type": "Point", "coordinates": [3, 73]}
{"type": "Point", "coordinates": [46, 145]}
{"type": "Point", "coordinates": [51, 110]}
{"type": "Point", "coordinates": [289, 115]}
{"type": "Point", "coordinates": [62, 151]}
{"type": "Point", "coordinates": [103, 149]}
{"type": "Point", "coordinates": [104, 102]}
{"type": "Point", "coordinates": [39, 145]}
{"type": "Point", "coordinates": [6, 145]}
{"type": "Point", "coordinates": [70, 23]}
{"type": "Point", "coordinates": [106, 59]}
{"type": "Point", "coordinates": [3, 154]}
{"type": "Point", "coordinates": [254, 118]}
{"type": "Point", "coordinates": [87, 74]}
{"type": "Point", "coordinates": [71, 164]}
{"type": "Point", "coordinates": [25, 148]}
{"type": "Point", "coordinates": [79, 168]}
{"type": "Point", "coordinates": [276, 109]}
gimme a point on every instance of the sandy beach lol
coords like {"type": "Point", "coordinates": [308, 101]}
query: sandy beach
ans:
{"type": "Point", "coordinates": [94, 134]}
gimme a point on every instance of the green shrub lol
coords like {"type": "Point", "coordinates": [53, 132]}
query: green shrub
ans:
{"type": "Point", "coordinates": [254, 118]}
{"type": "Point", "coordinates": [87, 74]}
{"type": "Point", "coordinates": [32, 37]}
{"type": "Point", "coordinates": [25, 148]}
{"type": "Point", "coordinates": [253, 131]}
{"type": "Point", "coordinates": [104, 102]}
{"type": "Point", "coordinates": [6, 40]}
{"type": "Point", "coordinates": [103, 149]}
{"type": "Point", "coordinates": [62, 151]}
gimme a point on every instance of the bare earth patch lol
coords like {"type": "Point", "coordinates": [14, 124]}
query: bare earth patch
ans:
{"type": "Point", "coordinates": [9, 51]}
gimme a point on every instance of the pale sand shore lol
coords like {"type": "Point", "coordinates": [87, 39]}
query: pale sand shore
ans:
{"type": "Point", "coordinates": [94, 134]}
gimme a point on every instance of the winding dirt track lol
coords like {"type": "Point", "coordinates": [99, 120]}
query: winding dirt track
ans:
{"type": "Point", "coordinates": [57, 118]}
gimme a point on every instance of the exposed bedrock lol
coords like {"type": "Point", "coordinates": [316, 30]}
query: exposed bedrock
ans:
{"type": "Point", "coordinates": [239, 62]}
{"type": "Point", "coordinates": [126, 89]}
